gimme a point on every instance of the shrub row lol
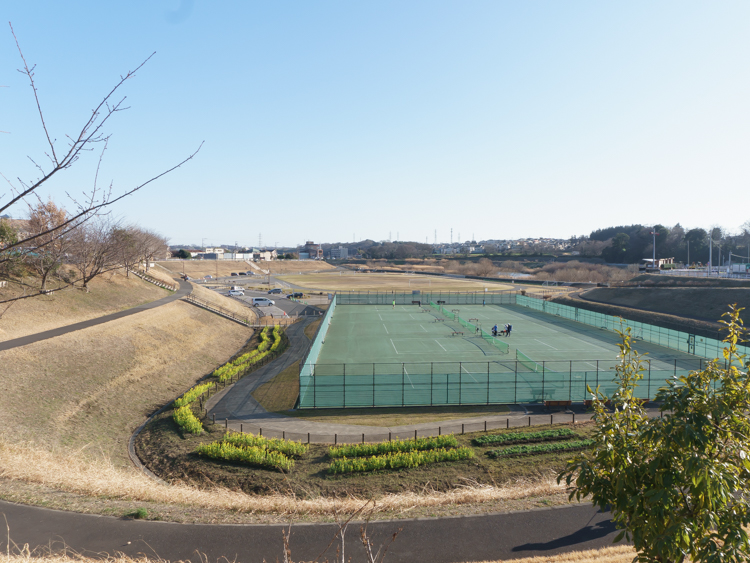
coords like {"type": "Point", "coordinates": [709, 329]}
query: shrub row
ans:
{"type": "Point", "coordinates": [382, 448]}
{"type": "Point", "coordinates": [230, 369]}
{"type": "Point", "coordinates": [557, 434]}
{"type": "Point", "coordinates": [286, 447]}
{"type": "Point", "coordinates": [258, 457]}
{"type": "Point", "coordinates": [398, 460]}
{"type": "Point", "coordinates": [185, 418]}
{"type": "Point", "coordinates": [540, 448]}
{"type": "Point", "coordinates": [191, 395]}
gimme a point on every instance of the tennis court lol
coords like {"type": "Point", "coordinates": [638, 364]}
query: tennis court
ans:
{"type": "Point", "coordinates": [378, 355]}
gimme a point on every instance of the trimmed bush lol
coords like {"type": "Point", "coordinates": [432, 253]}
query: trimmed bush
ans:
{"type": "Point", "coordinates": [192, 395]}
{"type": "Point", "coordinates": [540, 448]}
{"type": "Point", "coordinates": [382, 448]}
{"type": "Point", "coordinates": [258, 457]}
{"type": "Point", "coordinates": [520, 437]}
{"type": "Point", "coordinates": [240, 364]}
{"type": "Point", "coordinates": [186, 420]}
{"type": "Point", "coordinates": [286, 447]}
{"type": "Point", "coordinates": [398, 460]}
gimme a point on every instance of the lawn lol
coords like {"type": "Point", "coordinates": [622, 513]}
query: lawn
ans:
{"type": "Point", "coordinates": [280, 393]}
{"type": "Point", "coordinates": [345, 281]}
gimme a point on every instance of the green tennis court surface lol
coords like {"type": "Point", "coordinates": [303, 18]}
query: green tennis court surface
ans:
{"type": "Point", "coordinates": [378, 355]}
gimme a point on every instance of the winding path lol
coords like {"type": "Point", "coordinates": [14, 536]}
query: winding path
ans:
{"type": "Point", "coordinates": [434, 540]}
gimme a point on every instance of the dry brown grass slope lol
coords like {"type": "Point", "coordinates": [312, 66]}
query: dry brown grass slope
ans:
{"type": "Point", "coordinates": [90, 389]}
{"type": "Point", "coordinates": [707, 303]}
{"type": "Point", "coordinates": [214, 298]}
{"type": "Point", "coordinates": [108, 294]}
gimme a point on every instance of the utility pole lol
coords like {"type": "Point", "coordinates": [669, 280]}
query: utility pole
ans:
{"type": "Point", "coordinates": [688, 260]}
{"type": "Point", "coordinates": [451, 235]}
{"type": "Point", "coordinates": [710, 250]}
{"type": "Point", "coordinates": [747, 247]}
{"type": "Point", "coordinates": [653, 263]}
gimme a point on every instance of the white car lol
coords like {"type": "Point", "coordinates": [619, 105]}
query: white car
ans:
{"type": "Point", "coordinates": [236, 293]}
{"type": "Point", "coordinates": [262, 301]}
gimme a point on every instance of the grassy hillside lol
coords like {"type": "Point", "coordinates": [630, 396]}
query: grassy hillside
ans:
{"type": "Point", "coordinates": [108, 294]}
{"type": "Point", "coordinates": [90, 389]}
{"type": "Point", "coordinates": [700, 303]}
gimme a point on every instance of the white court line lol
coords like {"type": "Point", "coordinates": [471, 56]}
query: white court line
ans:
{"type": "Point", "coordinates": [592, 365]}
{"type": "Point", "coordinates": [423, 328]}
{"type": "Point", "coordinates": [467, 371]}
{"type": "Point", "coordinates": [589, 344]}
{"type": "Point", "coordinates": [394, 346]}
{"type": "Point", "coordinates": [540, 342]}
{"type": "Point", "coordinates": [381, 318]}
{"type": "Point", "coordinates": [440, 344]}
{"type": "Point", "coordinates": [412, 316]}
{"type": "Point", "coordinates": [407, 375]}
{"type": "Point", "coordinates": [386, 329]}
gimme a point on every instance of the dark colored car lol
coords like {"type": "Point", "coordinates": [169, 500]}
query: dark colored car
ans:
{"type": "Point", "coordinates": [274, 290]}
{"type": "Point", "coordinates": [295, 295]}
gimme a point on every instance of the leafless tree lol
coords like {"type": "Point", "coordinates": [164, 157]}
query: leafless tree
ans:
{"type": "Point", "coordinates": [59, 157]}
{"type": "Point", "coordinates": [92, 250]}
{"type": "Point", "coordinates": [51, 248]}
{"type": "Point", "coordinates": [485, 267]}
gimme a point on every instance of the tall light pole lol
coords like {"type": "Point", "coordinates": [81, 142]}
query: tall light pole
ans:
{"type": "Point", "coordinates": [653, 263]}
{"type": "Point", "coordinates": [710, 250]}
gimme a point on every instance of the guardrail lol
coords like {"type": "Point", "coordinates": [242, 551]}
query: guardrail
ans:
{"type": "Point", "coordinates": [150, 279]}
{"type": "Point", "coordinates": [190, 298]}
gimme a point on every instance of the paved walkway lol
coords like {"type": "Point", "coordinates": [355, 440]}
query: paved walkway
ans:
{"type": "Point", "coordinates": [185, 288]}
{"type": "Point", "coordinates": [433, 540]}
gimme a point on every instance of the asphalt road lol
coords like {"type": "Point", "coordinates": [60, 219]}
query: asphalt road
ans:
{"type": "Point", "coordinates": [445, 540]}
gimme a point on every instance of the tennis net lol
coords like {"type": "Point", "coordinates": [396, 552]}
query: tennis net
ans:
{"type": "Point", "coordinates": [499, 344]}
{"type": "Point", "coordinates": [527, 362]}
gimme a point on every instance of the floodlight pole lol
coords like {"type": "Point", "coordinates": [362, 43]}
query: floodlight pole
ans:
{"type": "Point", "coordinates": [653, 262]}
{"type": "Point", "coordinates": [710, 251]}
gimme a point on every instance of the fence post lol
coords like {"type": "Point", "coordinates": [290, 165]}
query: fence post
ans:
{"type": "Point", "coordinates": [507, 423]}
{"type": "Point", "coordinates": [550, 419]}
{"type": "Point", "coordinates": [373, 384]}
{"type": "Point", "coordinates": [570, 382]}
{"type": "Point", "coordinates": [462, 428]}
{"type": "Point", "coordinates": [488, 383]}
{"type": "Point", "coordinates": [389, 436]}
{"type": "Point", "coordinates": [308, 437]}
{"type": "Point", "coordinates": [226, 423]}
{"type": "Point", "coordinates": [240, 428]}
{"type": "Point", "coordinates": [529, 421]}
{"type": "Point", "coordinates": [363, 437]}
{"type": "Point", "coordinates": [213, 415]}
{"type": "Point", "coordinates": [335, 439]}
{"type": "Point", "coordinates": [415, 434]}
{"type": "Point", "coordinates": [440, 430]}
{"type": "Point", "coordinates": [260, 432]}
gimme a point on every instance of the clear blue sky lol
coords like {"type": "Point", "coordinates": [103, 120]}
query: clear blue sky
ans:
{"type": "Point", "coordinates": [326, 120]}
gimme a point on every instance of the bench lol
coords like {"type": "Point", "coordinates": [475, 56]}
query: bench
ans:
{"type": "Point", "coordinates": [439, 320]}
{"type": "Point", "coordinates": [457, 332]}
{"type": "Point", "coordinates": [550, 404]}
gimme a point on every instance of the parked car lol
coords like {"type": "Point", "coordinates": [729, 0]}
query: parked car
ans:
{"type": "Point", "coordinates": [295, 295]}
{"type": "Point", "coordinates": [209, 277]}
{"type": "Point", "coordinates": [236, 292]}
{"type": "Point", "coordinates": [262, 302]}
{"type": "Point", "coordinates": [274, 290]}
{"type": "Point", "coordinates": [242, 273]}
{"type": "Point", "coordinates": [234, 274]}
{"type": "Point", "coordinates": [248, 273]}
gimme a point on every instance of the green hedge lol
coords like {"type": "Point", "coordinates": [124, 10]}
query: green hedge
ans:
{"type": "Point", "coordinates": [540, 448]}
{"type": "Point", "coordinates": [191, 395]}
{"type": "Point", "coordinates": [524, 437]}
{"type": "Point", "coordinates": [266, 347]}
{"type": "Point", "coordinates": [286, 447]}
{"type": "Point", "coordinates": [258, 457]}
{"type": "Point", "coordinates": [186, 420]}
{"type": "Point", "coordinates": [382, 448]}
{"type": "Point", "coordinates": [398, 460]}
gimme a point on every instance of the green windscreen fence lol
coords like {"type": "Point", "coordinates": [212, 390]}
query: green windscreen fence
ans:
{"type": "Point", "coordinates": [424, 297]}
{"type": "Point", "coordinates": [472, 383]}
{"type": "Point", "coordinates": [308, 364]}
{"type": "Point", "coordinates": [668, 338]}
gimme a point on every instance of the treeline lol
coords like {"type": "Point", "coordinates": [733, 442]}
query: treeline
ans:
{"type": "Point", "coordinates": [632, 243]}
{"type": "Point", "coordinates": [50, 252]}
